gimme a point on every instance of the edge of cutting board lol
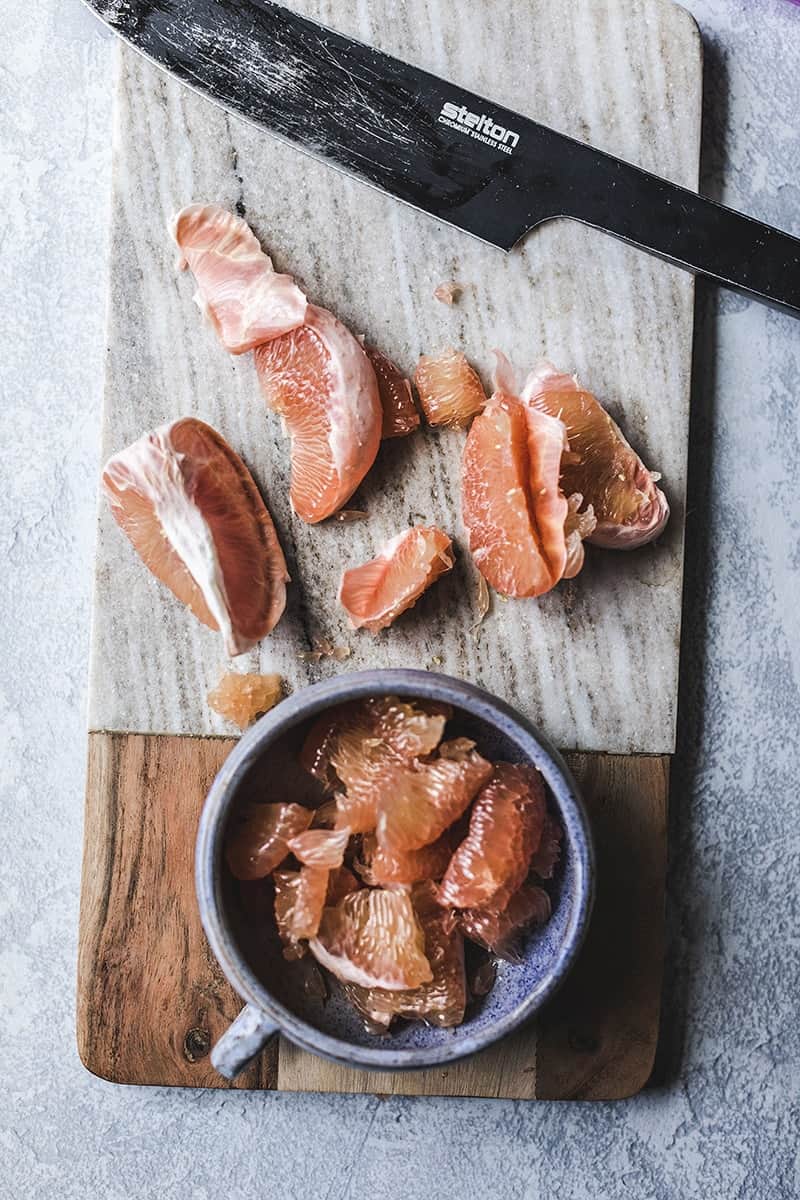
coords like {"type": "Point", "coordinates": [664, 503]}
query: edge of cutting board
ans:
{"type": "Point", "coordinates": [152, 1000]}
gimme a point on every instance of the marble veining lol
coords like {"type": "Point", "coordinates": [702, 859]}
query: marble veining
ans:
{"type": "Point", "coordinates": [595, 662]}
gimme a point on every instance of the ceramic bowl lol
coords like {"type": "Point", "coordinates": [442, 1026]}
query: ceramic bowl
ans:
{"type": "Point", "coordinates": [239, 926]}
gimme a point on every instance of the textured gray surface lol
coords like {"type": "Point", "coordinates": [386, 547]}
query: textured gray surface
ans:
{"type": "Point", "coordinates": [724, 1120]}
{"type": "Point", "coordinates": [607, 321]}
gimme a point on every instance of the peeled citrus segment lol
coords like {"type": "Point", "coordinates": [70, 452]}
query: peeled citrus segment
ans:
{"type": "Point", "coordinates": [341, 883]}
{"type": "Point", "coordinates": [375, 594]}
{"type": "Point", "coordinates": [373, 938]}
{"type": "Point", "coordinates": [319, 379]}
{"type": "Point", "coordinates": [257, 839]}
{"type": "Point", "coordinates": [512, 504]}
{"type": "Point", "coordinates": [299, 904]}
{"type": "Point", "coordinates": [400, 416]}
{"type": "Point", "coordinates": [346, 740]}
{"type": "Point", "coordinates": [440, 1002]}
{"type": "Point", "coordinates": [505, 829]}
{"type": "Point", "coordinates": [387, 868]}
{"type": "Point", "coordinates": [450, 391]}
{"type": "Point", "coordinates": [193, 513]}
{"type": "Point", "coordinates": [419, 801]}
{"type": "Point", "coordinates": [242, 698]}
{"type": "Point", "coordinates": [499, 930]}
{"type": "Point", "coordinates": [320, 847]}
{"type": "Point", "coordinates": [577, 528]}
{"type": "Point", "coordinates": [601, 466]}
{"type": "Point", "coordinates": [548, 851]}
{"type": "Point", "coordinates": [547, 443]}
{"type": "Point", "coordinates": [357, 810]}
{"type": "Point", "coordinates": [246, 300]}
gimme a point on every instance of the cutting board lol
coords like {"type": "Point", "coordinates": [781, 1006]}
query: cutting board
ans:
{"type": "Point", "coordinates": [594, 663]}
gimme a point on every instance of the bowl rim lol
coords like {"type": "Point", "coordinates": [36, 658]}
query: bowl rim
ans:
{"type": "Point", "coordinates": [309, 702]}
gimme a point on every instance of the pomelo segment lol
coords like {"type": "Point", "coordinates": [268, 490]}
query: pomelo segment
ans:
{"type": "Point", "coordinates": [357, 808]}
{"type": "Point", "coordinates": [358, 744]}
{"type": "Point", "coordinates": [419, 801]}
{"type": "Point", "coordinates": [375, 594]}
{"type": "Point", "coordinates": [505, 829]}
{"type": "Point", "coordinates": [246, 301]}
{"type": "Point", "coordinates": [577, 528]}
{"type": "Point", "coordinates": [299, 904]}
{"type": "Point", "coordinates": [319, 379]}
{"type": "Point", "coordinates": [321, 847]}
{"type": "Point", "coordinates": [242, 698]}
{"type": "Point", "coordinates": [500, 930]}
{"type": "Point", "coordinates": [194, 515]}
{"type": "Point", "coordinates": [450, 391]}
{"type": "Point", "coordinates": [373, 938]}
{"type": "Point", "coordinates": [512, 505]}
{"type": "Point", "coordinates": [400, 416]}
{"type": "Point", "coordinates": [601, 466]}
{"type": "Point", "coordinates": [547, 443]}
{"type": "Point", "coordinates": [440, 1002]}
{"type": "Point", "coordinates": [257, 840]}
{"type": "Point", "coordinates": [380, 867]}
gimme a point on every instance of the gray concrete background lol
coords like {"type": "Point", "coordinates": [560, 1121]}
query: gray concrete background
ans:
{"type": "Point", "coordinates": [723, 1120]}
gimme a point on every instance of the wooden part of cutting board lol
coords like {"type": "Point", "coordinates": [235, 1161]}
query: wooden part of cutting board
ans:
{"type": "Point", "coordinates": [151, 1000]}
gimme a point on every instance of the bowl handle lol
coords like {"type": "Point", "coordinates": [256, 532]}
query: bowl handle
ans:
{"type": "Point", "coordinates": [242, 1041]}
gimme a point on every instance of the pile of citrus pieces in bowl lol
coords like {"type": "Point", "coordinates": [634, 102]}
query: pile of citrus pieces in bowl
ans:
{"type": "Point", "coordinates": [420, 843]}
{"type": "Point", "coordinates": [544, 466]}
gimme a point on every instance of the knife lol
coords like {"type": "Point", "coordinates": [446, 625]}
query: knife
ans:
{"type": "Point", "coordinates": [455, 155]}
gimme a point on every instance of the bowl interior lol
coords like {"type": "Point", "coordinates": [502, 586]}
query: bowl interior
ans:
{"type": "Point", "coordinates": [274, 774]}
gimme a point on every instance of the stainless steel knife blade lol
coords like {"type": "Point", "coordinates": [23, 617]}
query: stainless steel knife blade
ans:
{"type": "Point", "coordinates": [453, 154]}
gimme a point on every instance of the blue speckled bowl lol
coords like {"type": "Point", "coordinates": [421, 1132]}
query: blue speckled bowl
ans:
{"type": "Point", "coordinates": [242, 936]}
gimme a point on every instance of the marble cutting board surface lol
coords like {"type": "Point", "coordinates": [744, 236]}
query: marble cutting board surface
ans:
{"type": "Point", "coordinates": [595, 662]}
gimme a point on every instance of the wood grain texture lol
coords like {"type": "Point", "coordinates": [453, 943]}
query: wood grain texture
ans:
{"type": "Point", "coordinates": [595, 662]}
{"type": "Point", "coordinates": [597, 1039]}
{"type": "Point", "coordinates": [151, 1001]}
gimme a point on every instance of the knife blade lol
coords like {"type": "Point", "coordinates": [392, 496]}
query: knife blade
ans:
{"type": "Point", "coordinates": [453, 154]}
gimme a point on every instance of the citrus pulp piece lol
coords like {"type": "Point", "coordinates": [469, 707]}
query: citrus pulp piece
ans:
{"type": "Point", "coordinates": [601, 466]}
{"type": "Point", "coordinates": [417, 802]}
{"type": "Point", "coordinates": [246, 300]}
{"type": "Point", "coordinates": [512, 504]}
{"type": "Point", "coordinates": [320, 847]}
{"type": "Point", "coordinates": [299, 904]}
{"type": "Point", "coordinates": [400, 416]}
{"type": "Point", "coordinates": [450, 391]}
{"type": "Point", "coordinates": [349, 742]}
{"type": "Point", "coordinates": [373, 938]}
{"type": "Point", "coordinates": [375, 594]}
{"type": "Point", "coordinates": [447, 293]}
{"type": "Point", "coordinates": [577, 528]}
{"type": "Point", "coordinates": [194, 515]}
{"type": "Point", "coordinates": [505, 828]}
{"type": "Point", "coordinates": [548, 851]}
{"type": "Point", "coordinates": [319, 379]}
{"type": "Point", "coordinates": [257, 839]}
{"type": "Point", "coordinates": [357, 809]}
{"type": "Point", "coordinates": [242, 698]}
{"type": "Point", "coordinates": [499, 930]}
{"type": "Point", "coordinates": [387, 868]}
{"type": "Point", "coordinates": [443, 999]}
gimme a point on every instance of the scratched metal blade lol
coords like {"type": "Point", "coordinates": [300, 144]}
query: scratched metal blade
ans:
{"type": "Point", "coordinates": [445, 150]}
